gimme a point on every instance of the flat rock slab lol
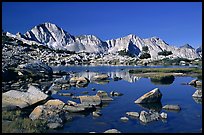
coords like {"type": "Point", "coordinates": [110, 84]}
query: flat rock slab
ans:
{"type": "Point", "coordinates": [90, 100]}
{"type": "Point", "coordinates": [13, 98]}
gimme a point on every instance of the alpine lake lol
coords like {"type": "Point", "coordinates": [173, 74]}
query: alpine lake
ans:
{"type": "Point", "coordinates": [188, 119]}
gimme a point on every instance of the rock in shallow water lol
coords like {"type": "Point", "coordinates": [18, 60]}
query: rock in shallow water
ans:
{"type": "Point", "coordinates": [163, 115]}
{"type": "Point", "coordinates": [79, 81]}
{"type": "Point", "coordinates": [172, 107]}
{"type": "Point", "coordinates": [112, 131]}
{"type": "Point", "coordinates": [90, 100]}
{"type": "Point", "coordinates": [133, 114]}
{"type": "Point", "coordinates": [103, 95]}
{"type": "Point", "coordinates": [151, 97]}
{"type": "Point", "coordinates": [146, 117]}
{"type": "Point", "coordinates": [195, 83]}
{"type": "Point", "coordinates": [97, 114]}
{"type": "Point", "coordinates": [114, 93]}
{"type": "Point", "coordinates": [125, 119]}
{"type": "Point", "coordinates": [100, 77]}
{"type": "Point", "coordinates": [197, 94]}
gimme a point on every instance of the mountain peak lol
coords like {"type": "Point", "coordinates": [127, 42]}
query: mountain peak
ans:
{"type": "Point", "coordinates": [187, 46]}
{"type": "Point", "coordinates": [132, 35]}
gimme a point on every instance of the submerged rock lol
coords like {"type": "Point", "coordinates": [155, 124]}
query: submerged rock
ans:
{"type": "Point", "coordinates": [172, 107]}
{"type": "Point", "coordinates": [151, 97]}
{"type": "Point", "coordinates": [65, 94]}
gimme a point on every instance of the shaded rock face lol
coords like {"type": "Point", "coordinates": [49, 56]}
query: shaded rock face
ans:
{"type": "Point", "coordinates": [172, 107]}
{"type": "Point", "coordinates": [197, 94]}
{"type": "Point", "coordinates": [13, 98]}
{"type": "Point", "coordinates": [35, 69]}
{"type": "Point", "coordinates": [151, 97]}
{"type": "Point", "coordinates": [8, 75]}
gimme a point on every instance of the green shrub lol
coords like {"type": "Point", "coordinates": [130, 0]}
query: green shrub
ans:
{"type": "Point", "coordinates": [165, 53]}
{"type": "Point", "coordinates": [145, 56]}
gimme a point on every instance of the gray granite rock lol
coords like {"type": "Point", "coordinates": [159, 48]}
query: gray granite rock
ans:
{"type": "Point", "coordinates": [151, 97]}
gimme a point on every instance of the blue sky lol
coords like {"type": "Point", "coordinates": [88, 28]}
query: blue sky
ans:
{"type": "Point", "coordinates": [177, 23]}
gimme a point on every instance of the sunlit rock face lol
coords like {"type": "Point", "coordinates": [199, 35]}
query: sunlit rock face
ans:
{"type": "Point", "coordinates": [54, 37]}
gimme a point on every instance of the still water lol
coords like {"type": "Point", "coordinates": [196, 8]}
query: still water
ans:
{"type": "Point", "coordinates": [189, 119]}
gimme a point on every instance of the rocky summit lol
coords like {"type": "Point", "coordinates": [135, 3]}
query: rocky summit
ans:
{"type": "Point", "coordinates": [54, 37]}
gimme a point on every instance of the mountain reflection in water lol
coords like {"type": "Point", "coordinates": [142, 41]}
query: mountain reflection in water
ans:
{"type": "Point", "coordinates": [120, 74]}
